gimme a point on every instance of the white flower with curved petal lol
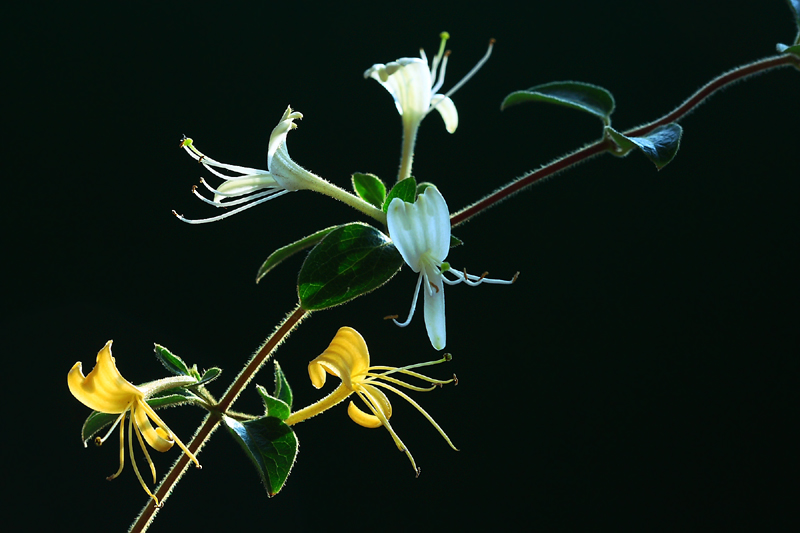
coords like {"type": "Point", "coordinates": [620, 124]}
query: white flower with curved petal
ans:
{"type": "Point", "coordinates": [247, 187]}
{"type": "Point", "coordinates": [413, 86]}
{"type": "Point", "coordinates": [421, 233]}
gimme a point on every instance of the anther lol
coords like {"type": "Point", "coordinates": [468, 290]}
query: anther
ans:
{"type": "Point", "coordinates": [455, 379]}
{"type": "Point", "coordinates": [419, 471]}
{"type": "Point", "coordinates": [448, 357]}
{"type": "Point", "coordinates": [391, 317]}
{"type": "Point", "coordinates": [200, 159]}
{"type": "Point", "coordinates": [515, 277]}
{"type": "Point", "coordinates": [98, 441]}
{"type": "Point", "coordinates": [434, 286]}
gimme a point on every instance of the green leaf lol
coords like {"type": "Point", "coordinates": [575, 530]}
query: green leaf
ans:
{"type": "Point", "coordinates": [405, 189]}
{"type": "Point", "coordinates": [270, 444]}
{"type": "Point", "coordinates": [97, 421]}
{"type": "Point", "coordinates": [208, 376]}
{"type": "Point", "coordinates": [660, 145]}
{"type": "Point", "coordinates": [574, 94]}
{"type": "Point", "coordinates": [172, 362]}
{"type": "Point", "coordinates": [273, 406]}
{"type": "Point", "coordinates": [282, 389]}
{"type": "Point", "coordinates": [352, 260]}
{"type": "Point", "coordinates": [289, 250]}
{"type": "Point", "coordinates": [370, 188]}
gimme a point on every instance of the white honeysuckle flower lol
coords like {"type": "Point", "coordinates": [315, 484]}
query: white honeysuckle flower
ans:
{"type": "Point", "coordinates": [247, 187]}
{"type": "Point", "coordinates": [414, 85]}
{"type": "Point", "coordinates": [421, 233]}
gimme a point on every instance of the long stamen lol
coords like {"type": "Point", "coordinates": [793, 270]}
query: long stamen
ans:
{"type": "Point", "coordinates": [474, 70]}
{"type": "Point", "coordinates": [133, 460]}
{"type": "Point", "coordinates": [398, 442]}
{"type": "Point", "coordinates": [398, 382]}
{"type": "Point", "coordinates": [424, 413]}
{"type": "Point", "coordinates": [121, 447]}
{"type": "Point", "coordinates": [442, 69]}
{"type": "Point", "coordinates": [230, 213]}
{"type": "Point", "coordinates": [413, 305]}
{"type": "Point", "coordinates": [98, 441]}
{"type": "Point", "coordinates": [232, 202]}
{"type": "Point", "coordinates": [157, 419]}
{"type": "Point", "coordinates": [438, 57]}
{"type": "Point", "coordinates": [144, 449]}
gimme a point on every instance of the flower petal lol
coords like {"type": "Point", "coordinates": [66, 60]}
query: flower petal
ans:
{"type": "Point", "coordinates": [445, 106]}
{"type": "Point", "coordinates": [434, 313]}
{"type": "Point", "coordinates": [347, 357]}
{"type": "Point", "coordinates": [408, 80]}
{"type": "Point", "coordinates": [104, 389]}
{"type": "Point", "coordinates": [421, 228]}
{"type": "Point", "coordinates": [158, 438]}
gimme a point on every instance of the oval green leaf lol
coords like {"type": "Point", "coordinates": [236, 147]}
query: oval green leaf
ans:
{"type": "Point", "coordinates": [578, 95]}
{"type": "Point", "coordinates": [370, 188]}
{"type": "Point", "coordinates": [350, 261]}
{"type": "Point", "coordinates": [172, 362]}
{"type": "Point", "coordinates": [289, 250]}
{"type": "Point", "coordinates": [270, 445]}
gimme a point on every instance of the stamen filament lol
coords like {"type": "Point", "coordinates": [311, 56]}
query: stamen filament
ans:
{"type": "Point", "coordinates": [229, 213]}
{"type": "Point", "coordinates": [474, 70]}
{"type": "Point", "coordinates": [413, 306]}
{"type": "Point", "coordinates": [424, 413]}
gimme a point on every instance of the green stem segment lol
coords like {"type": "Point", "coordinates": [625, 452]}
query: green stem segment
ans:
{"type": "Point", "coordinates": [214, 417]}
{"type": "Point", "coordinates": [594, 149]}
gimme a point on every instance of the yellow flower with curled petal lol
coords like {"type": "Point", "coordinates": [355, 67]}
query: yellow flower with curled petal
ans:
{"type": "Point", "coordinates": [347, 358]}
{"type": "Point", "coordinates": [106, 391]}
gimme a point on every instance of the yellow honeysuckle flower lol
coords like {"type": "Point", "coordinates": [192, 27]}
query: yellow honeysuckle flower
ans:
{"type": "Point", "coordinates": [347, 358]}
{"type": "Point", "coordinates": [106, 391]}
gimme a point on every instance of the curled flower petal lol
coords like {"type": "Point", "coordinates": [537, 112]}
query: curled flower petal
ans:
{"type": "Point", "coordinates": [104, 389]}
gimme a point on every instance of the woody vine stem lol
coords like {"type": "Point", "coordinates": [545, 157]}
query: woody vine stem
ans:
{"type": "Point", "coordinates": [217, 410]}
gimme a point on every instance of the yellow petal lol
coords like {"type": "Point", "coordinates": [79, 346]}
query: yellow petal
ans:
{"type": "Point", "coordinates": [361, 418]}
{"type": "Point", "coordinates": [158, 438]}
{"type": "Point", "coordinates": [104, 389]}
{"type": "Point", "coordinates": [379, 404]}
{"type": "Point", "coordinates": [347, 358]}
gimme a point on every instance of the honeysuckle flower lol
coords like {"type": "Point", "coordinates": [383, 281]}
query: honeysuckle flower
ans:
{"type": "Point", "coordinates": [247, 187]}
{"type": "Point", "coordinates": [106, 391]}
{"type": "Point", "coordinates": [421, 233]}
{"type": "Point", "coordinates": [347, 358]}
{"type": "Point", "coordinates": [413, 86]}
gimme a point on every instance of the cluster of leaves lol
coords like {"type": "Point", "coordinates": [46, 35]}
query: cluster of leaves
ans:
{"type": "Point", "coordinates": [659, 145]}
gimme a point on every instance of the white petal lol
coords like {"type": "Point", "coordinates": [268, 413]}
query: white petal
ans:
{"type": "Point", "coordinates": [433, 208]}
{"type": "Point", "coordinates": [236, 187]}
{"type": "Point", "coordinates": [434, 314]}
{"type": "Point", "coordinates": [445, 106]}
{"type": "Point", "coordinates": [420, 229]}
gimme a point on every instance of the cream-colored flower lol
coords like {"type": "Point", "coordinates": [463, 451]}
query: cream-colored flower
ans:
{"type": "Point", "coordinates": [421, 233]}
{"type": "Point", "coordinates": [413, 86]}
{"type": "Point", "coordinates": [347, 358]}
{"type": "Point", "coordinates": [247, 187]}
{"type": "Point", "coordinates": [106, 391]}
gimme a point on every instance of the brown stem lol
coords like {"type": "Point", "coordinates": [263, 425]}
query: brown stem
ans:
{"type": "Point", "coordinates": [212, 420]}
{"type": "Point", "coordinates": [601, 146]}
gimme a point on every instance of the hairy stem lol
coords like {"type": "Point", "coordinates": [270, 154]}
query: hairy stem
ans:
{"type": "Point", "coordinates": [594, 149]}
{"type": "Point", "coordinates": [214, 417]}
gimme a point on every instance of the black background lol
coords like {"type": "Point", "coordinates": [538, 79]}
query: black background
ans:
{"type": "Point", "coordinates": [641, 374]}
